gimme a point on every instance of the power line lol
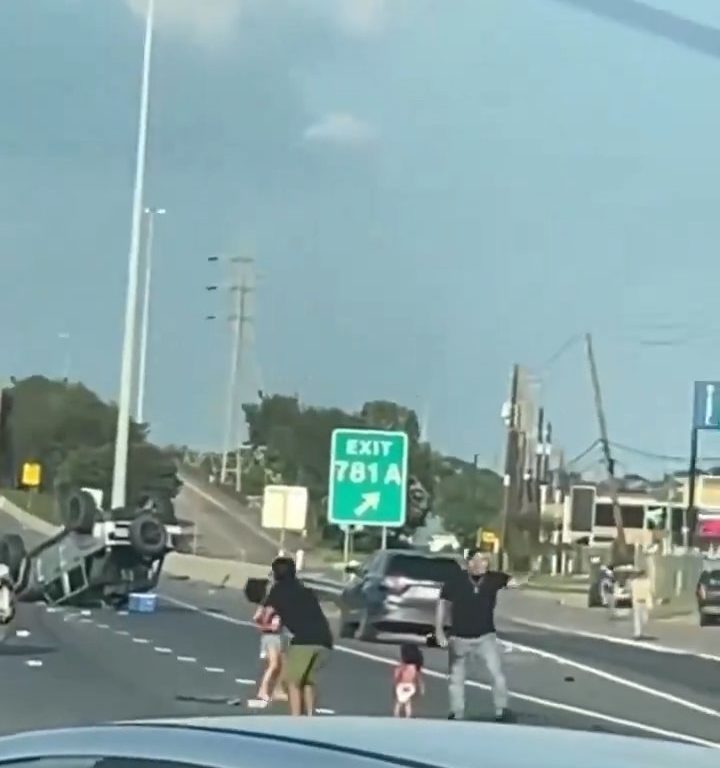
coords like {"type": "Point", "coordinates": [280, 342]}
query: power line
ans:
{"type": "Point", "coordinates": [657, 456]}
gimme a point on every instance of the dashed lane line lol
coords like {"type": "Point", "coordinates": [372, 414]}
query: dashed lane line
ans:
{"type": "Point", "coordinates": [548, 703]}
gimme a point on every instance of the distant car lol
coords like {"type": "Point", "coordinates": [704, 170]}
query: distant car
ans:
{"type": "Point", "coordinates": [395, 591]}
{"type": "Point", "coordinates": [708, 595]}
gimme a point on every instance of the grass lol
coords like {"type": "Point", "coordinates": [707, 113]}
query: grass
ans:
{"type": "Point", "coordinates": [41, 505]}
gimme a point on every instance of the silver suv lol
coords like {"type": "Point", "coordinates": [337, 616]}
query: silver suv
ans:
{"type": "Point", "coordinates": [395, 591]}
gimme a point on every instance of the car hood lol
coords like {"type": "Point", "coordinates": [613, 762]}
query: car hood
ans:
{"type": "Point", "coordinates": [462, 744]}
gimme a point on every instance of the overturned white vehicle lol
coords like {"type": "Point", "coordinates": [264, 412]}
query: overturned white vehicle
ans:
{"type": "Point", "coordinates": [96, 558]}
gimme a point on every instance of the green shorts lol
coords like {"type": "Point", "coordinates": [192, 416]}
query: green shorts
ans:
{"type": "Point", "coordinates": [302, 662]}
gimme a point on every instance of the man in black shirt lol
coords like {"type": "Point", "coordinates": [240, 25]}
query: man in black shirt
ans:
{"type": "Point", "coordinates": [300, 613]}
{"type": "Point", "coordinates": [471, 596]}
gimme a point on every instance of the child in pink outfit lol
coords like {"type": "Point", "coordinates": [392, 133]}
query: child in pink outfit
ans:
{"type": "Point", "coordinates": [407, 680]}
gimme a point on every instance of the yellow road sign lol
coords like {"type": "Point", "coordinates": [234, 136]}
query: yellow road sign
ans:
{"type": "Point", "coordinates": [31, 474]}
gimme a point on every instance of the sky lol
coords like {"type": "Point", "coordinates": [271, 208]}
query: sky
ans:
{"type": "Point", "coordinates": [432, 191]}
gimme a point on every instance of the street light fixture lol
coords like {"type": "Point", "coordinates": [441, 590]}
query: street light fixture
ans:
{"type": "Point", "coordinates": [150, 214]}
{"type": "Point", "coordinates": [122, 437]}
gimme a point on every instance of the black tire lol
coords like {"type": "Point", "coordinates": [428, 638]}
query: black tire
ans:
{"type": "Point", "coordinates": [79, 512]}
{"type": "Point", "coordinates": [366, 631]}
{"type": "Point", "coordinates": [704, 619]}
{"type": "Point", "coordinates": [347, 628]}
{"type": "Point", "coordinates": [12, 553]}
{"type": "Point", "coordinates": [147, 535]}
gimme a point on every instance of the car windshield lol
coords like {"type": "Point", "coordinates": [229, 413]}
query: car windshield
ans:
{"type": "Point", "coordinates": [439, 569]}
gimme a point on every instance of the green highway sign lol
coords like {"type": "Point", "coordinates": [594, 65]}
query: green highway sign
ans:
{"type": "Point", "coordinates": [368, 478]}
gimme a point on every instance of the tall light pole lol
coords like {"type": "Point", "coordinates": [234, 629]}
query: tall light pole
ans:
{"type": "Point", "coordinates": [150, 214]}
{"type": "Point", "coordinates": [122, 437]}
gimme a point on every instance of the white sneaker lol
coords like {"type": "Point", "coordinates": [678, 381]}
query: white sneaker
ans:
{"type": "Point", "coordinates": [258, 703]}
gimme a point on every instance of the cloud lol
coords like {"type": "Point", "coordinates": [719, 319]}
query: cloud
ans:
{"type": "Point", "coordinates": [216, 21]}
{"type": "Point", "coordinates": [206, 21]}
{"type": "Point", "coordinates": [340, 128]}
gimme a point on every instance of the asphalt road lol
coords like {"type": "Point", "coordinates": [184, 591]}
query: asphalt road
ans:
{"type": "Point", "coordinates": [199, 651]}
{"type": "Point", "coordinates": [224, 528]}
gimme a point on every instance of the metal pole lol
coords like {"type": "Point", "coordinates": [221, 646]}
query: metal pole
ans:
{"type": "Point", "coordinates": [383, 540]}
{"type": "Point", "coordinates": [688, 512]}
{"type": "Point", "coordinates": [510, 464]}
{"type": "Point", "coordinates": [150, 214]}
{"type": "Point", "coordinates": [232, 385]}
{"type": "Point", "coordinates": [122, 437]}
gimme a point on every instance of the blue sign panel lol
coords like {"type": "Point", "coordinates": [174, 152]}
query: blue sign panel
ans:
{"type": "Point", "coordinates": [706, 405]}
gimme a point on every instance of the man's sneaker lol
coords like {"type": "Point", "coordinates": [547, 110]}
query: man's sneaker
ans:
{"type": "Point", "coordinates": [258, 703]}
{"type": "Point", "coordinates": [451, 716]}
{"type": "Point", "coordinates": [502, 715]}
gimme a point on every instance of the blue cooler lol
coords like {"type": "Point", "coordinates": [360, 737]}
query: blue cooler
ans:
{"type": "Point", "coordinates": [142, 602]}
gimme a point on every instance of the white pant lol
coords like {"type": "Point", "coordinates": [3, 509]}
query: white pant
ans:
{"type": "Point", "coordinates": [640, 617]}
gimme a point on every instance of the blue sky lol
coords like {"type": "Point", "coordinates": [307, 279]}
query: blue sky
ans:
{"type": "Point", "coordinates": [432, 189]}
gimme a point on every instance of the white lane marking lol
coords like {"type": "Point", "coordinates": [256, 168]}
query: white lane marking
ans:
{"type": "Point", "coordinates": [643, 644]}
{"type": "Point", "coordinates": [86, 613]}
{"type": "Point", "coordinates": [103, 626]}
{"type": "Point", "coordinates": [618, 680]}
{"type": "Point", "coordinates": [22, 633]}
{"type": "Point", "coordinates": [324, 711]}
{"type": "Point", "coordinates": [218, 670]}
{"type": "Point", "coordinates": [187, 659]}
{"type": "Point", "coordinates": [123, 632]}
{"type": "Point", "coordinates": [257, 532]}
{"type": "Point", "coordinates": [244, 681]}
{"type": "Point", "coordinates": [140, 640]}
{"type": "Point", "coordinates": [33, 663]}
{"type": "Point", "coordinates": [85, 621]}
{"type": "Point", "coordinates": [122, 613]}
{"type": "Point", "coordinates": [550, 704]}
{"type": "Point", "coordinates": [53, 609]}
{"type": "Point", "coordinates": [161, 649]}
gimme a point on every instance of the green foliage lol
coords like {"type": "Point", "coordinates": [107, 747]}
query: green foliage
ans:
{"type": "Point", "coordinates": [467, 499]}
{"type": "Point", "coordinates": [290, 443]}
{"type": "Point", "coordinates": [70, 431]}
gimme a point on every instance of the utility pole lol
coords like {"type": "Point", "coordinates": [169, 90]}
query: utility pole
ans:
{"type": "Point", "coordinates": [511, 460]}
{"type": "Point", "coordinates": [233, 414]}
{"type": "Point", "coordinates": [621, 545]}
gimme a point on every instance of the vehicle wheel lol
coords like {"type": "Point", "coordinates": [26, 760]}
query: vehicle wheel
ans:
{"type": "Point", "coordinates": [347, 628]}
{"type": "Point", "coordinates": [12, 553]}
{"type": "Point", "coordinates": [79, 512]}
{"type": "Point", "coordinates": [365, 630]}
{"type": "Point", "coordinates": [148, 536]}
{"type": "Point", "coordinates": [704, 619]}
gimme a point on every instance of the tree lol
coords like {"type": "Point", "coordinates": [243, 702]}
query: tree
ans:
{"type": "Point", "coordinates": [291, 444]}
{"type": "Point", "coordinates": [70, 431]}
{"type": "Point", "coordinates": [468, 498]}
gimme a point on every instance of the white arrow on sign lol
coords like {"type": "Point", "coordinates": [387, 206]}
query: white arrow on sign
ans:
{"type": "Point", "coordinates": [369, 501]}
{"type": "Point", "coordinates": [709, 398]}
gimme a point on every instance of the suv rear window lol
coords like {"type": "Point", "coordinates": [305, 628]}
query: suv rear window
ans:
{"type": "Point", "coordinates": [713, 578]}
{"type": "Point", "coordinates": [438, 569]}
